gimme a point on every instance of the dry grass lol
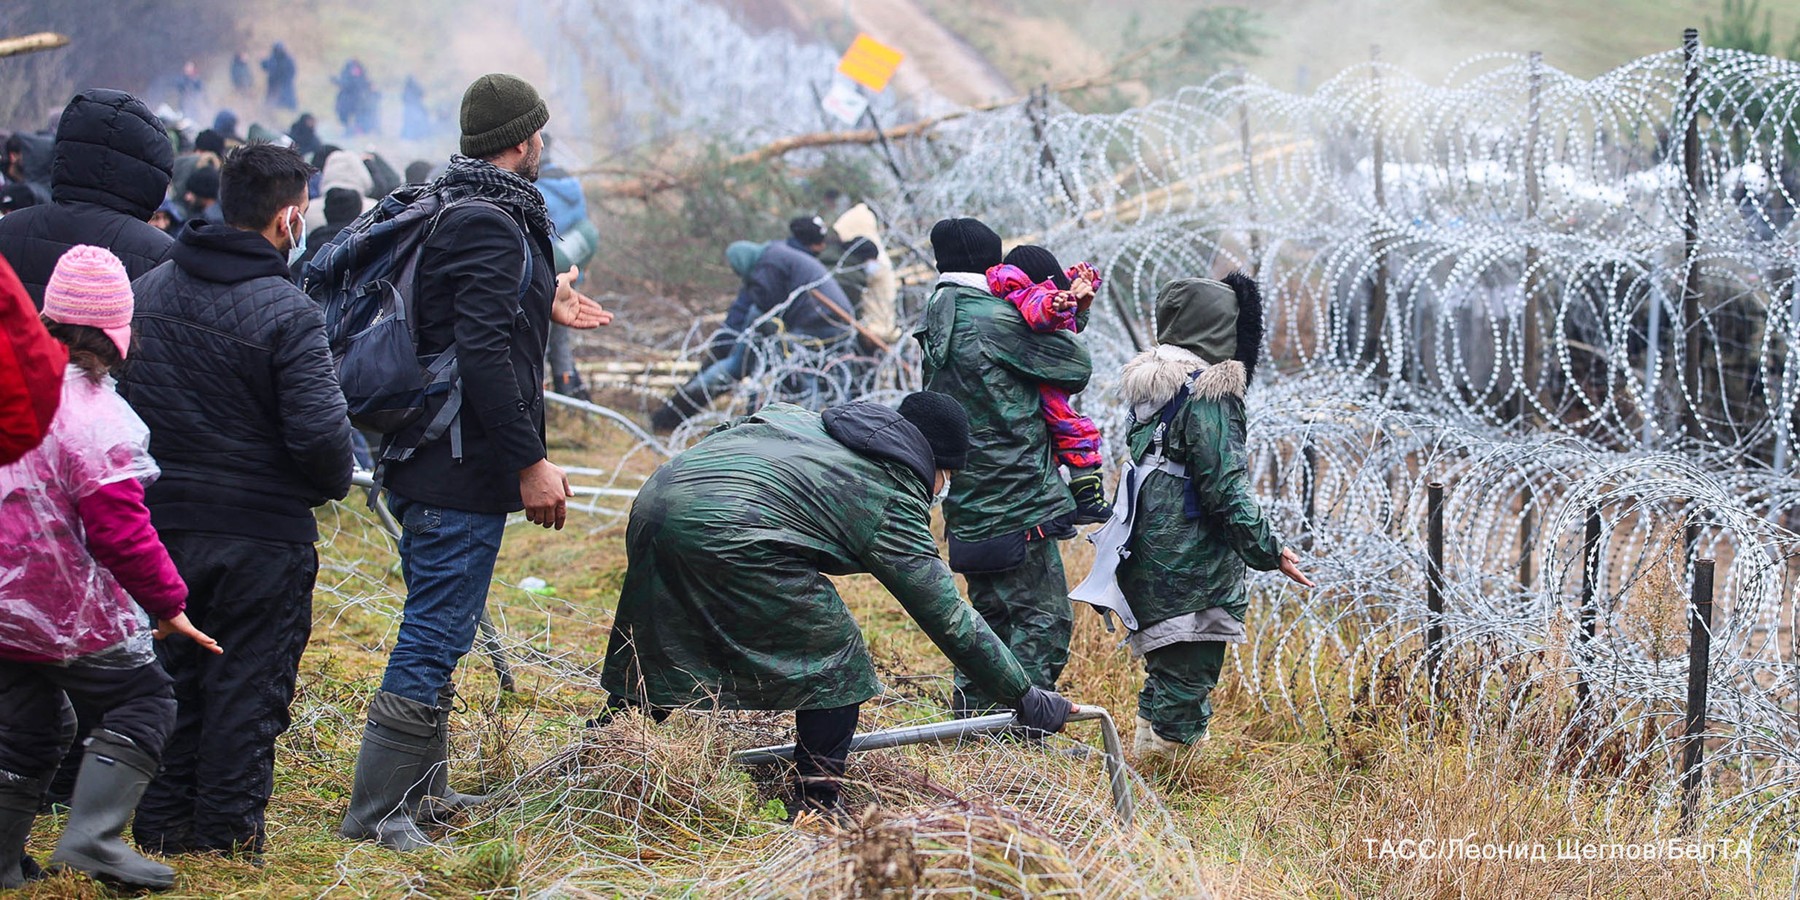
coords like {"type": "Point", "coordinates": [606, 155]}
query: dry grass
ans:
{"type": "Point", "coordinates": [1272, 806]}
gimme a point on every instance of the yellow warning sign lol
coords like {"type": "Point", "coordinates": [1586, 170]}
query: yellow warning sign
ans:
{"type": "Point", "coordinates": [870, 63]}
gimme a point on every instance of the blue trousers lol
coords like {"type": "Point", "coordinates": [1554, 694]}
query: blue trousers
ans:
{"type": "Point", "coordinates": [447, 557]}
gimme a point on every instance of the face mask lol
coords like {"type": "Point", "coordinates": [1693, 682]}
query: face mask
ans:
{"type": "Point", "coordinates": [937, 499]}
{"type": "Point", "coordinates": [299, 248]}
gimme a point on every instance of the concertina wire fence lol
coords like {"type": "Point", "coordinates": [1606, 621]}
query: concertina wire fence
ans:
{"type": "Point", "coordinates": [1563, 299]}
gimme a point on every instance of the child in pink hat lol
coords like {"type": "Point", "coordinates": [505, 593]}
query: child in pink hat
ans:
{"type": "Point", "coordinates": [89, 287]}
{"type": "Point", "coordinates": [83, 567]}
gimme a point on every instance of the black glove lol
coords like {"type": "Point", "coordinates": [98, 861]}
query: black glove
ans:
{"type": "Point", "coordinates": [1043, 710]}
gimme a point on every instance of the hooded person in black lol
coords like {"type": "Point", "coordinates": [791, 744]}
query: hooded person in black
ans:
{"type": "Point", "coordinates": [233, 376]}
{"type": "Point", "coordinates": [109, 173]}
{"type": "Point", "coordinates": [305, 134]}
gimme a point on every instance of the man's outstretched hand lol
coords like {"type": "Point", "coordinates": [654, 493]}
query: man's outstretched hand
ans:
{"type": "Point", "coordinates": [573, 309]}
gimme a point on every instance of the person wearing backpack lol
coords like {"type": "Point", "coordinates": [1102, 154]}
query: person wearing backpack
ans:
{"type": "Point", "coordinates": [233, 376]}
{"type": "Point", "coordinates": [485, 294]}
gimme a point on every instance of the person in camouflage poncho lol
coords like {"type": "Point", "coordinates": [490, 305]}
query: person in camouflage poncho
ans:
{"type": "Point", "coordinates": [1195, 524]}
{"type": "Point", "coordinates": [1008, 508]}
{"type": "Point", "coordinates": [726, 602]}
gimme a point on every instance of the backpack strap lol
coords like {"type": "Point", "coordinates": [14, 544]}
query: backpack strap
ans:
{"type": "Point", "coordinates": [444, 369]}
{"type": "Point", "coordinates": [1159, 438]}
{"type": "Point", "coordinates": [1159, 447]}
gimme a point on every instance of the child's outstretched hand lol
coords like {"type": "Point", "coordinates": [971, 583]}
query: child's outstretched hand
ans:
{"type": "Point", "coordinates": [1290, 566]}
{"type": "Point", "coordinates": [1081, 291]}
{"type": "Point", "coordinates": [181, 625]}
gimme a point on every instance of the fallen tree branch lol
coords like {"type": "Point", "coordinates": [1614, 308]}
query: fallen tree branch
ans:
{"type": "Point", "coordinates": [32, 43]}
{"type": "Point", "coordinates": [643, 187]}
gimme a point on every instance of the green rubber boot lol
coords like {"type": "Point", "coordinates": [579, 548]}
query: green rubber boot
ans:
{"type": "Point", "coordinates": [114, 773]}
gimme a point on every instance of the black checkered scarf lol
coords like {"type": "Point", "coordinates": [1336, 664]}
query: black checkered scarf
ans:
{"type": "Point", "coordinates": [467, 177]}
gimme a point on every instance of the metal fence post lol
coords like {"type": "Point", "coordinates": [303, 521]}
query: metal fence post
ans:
{"type": "Point", "coordinates": [1375, 346]}
{"type": "Point", "coordinates": [1531, 338]}
{"type": "Point", "coordinates": [1587, 615]}
{"type": "Point", "coordinates": [1690, 229]}
{"type": "Point", "coordinates": [1693, 753]}
{"type": "Point", "coordinates": [1434, 581]}
{"type": "Point", "coordinates": [1309, 489]}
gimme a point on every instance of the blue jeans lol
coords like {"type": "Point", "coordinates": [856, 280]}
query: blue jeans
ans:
{"type": "Point", "coordinates": [447, 557]}
{"type": "Point", "coordinates": [720, 377]}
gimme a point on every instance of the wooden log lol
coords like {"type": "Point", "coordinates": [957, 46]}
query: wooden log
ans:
{"type": "Point", "coordinates": [32, 43]}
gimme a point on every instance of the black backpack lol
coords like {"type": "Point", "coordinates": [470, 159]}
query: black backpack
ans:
{"type": "Point", "coordinates": [366, 280]}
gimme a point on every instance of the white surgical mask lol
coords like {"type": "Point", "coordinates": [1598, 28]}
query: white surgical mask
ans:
{"type": "Point", "coordinates": [937, 499]}
{"type": "Point", "coordinates": [298, 232]}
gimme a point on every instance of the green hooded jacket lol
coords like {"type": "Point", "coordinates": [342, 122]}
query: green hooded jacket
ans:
{"type": "Point", "coordinates": [1180, 565]}
{"type": "Point", "coordinates": [979, 350]}
{"type": "Point", "coordinates": [725, 600]}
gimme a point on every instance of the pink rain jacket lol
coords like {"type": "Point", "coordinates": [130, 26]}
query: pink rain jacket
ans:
{"type": "Point", "coordinates": [76, 544]}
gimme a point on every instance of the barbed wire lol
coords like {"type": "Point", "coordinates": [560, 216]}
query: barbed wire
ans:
{"type": "Point", "coordinates": [1483, 283]}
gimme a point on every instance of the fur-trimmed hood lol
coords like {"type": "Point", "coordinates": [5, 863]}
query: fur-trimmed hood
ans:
{"type": "Point", "coordinates": [1153, 378]}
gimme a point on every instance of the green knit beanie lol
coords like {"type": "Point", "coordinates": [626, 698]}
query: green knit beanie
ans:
{"type": "Point", "coordinates": [500, 111]}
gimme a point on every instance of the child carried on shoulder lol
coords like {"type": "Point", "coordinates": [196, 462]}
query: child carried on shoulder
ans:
{"type": "Point", "coordinates": [1051, 298]}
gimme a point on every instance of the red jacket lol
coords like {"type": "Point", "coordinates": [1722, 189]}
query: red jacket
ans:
{"type": "Point", "coordinates": [31, 371]}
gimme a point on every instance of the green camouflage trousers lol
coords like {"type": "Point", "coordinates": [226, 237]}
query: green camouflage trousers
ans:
{"type": "Point", "coordinates": [1178, 684]}
{"type": "Point", "coordinates": [1029, 610]}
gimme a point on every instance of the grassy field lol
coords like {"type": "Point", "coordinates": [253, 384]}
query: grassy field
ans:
{"type": "Point", "coordinates": [1272, 807]}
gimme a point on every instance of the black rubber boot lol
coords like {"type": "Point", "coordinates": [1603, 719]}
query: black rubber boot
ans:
{"type": "Point", "coordinates": [19, 797]}
{"type": "Point", "coordinates": [821, 756]}
{"type": "Point", "coordinates": [114, 773]}
{"type": "Point", "coordinates": [391, 772]}
{"type": "Point", "coordinates": [1090, 496]}
{"type": "Point", "coordinates": [438, 803]}
{"type": "Point", "coordinates": [683, 405]}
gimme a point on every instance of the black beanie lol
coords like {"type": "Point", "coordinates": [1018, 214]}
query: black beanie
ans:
{"type": "Point", "coordinates": [1038, 264]}
{"type": "Point", "coordinates": [943, 422]}
{"type": "Point", "coordinates": [964, 245]}
{"type": "Point", "coordinates": [210, 141]}
{"type": "Point", "coordinates": [500, 111]}
{"type": "Point", "coordinates": [342, 205]}
{"type": "Point", "coordinates": [808, 230]}
{"type": "Point", "coordinates": [204, 183]}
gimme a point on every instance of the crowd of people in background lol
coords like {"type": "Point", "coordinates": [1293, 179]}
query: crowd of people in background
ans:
{"type": "Point", "coordinates": [150, 648]}
{"type": "Point", "coordinates": [357, 110]}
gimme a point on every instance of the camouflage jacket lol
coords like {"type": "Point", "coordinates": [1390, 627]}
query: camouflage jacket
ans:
{"type": "Point", "coordinates": [979, 350]}
{"type": "Point", "coordinates": [725, 598]}
{"type": "Point", "coordinates": [1178, 564]}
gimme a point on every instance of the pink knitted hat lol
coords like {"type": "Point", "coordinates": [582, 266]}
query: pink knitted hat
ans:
{"type": "Point", "coordinates": [90, 287]}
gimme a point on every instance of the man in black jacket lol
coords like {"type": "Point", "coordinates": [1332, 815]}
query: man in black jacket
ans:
{"type": "Point", "coordinates": [110, 172]}
{"type": "Point", "coordinates": [233, 376]}
{"type": "Point", "coordinates": [487, 290]}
